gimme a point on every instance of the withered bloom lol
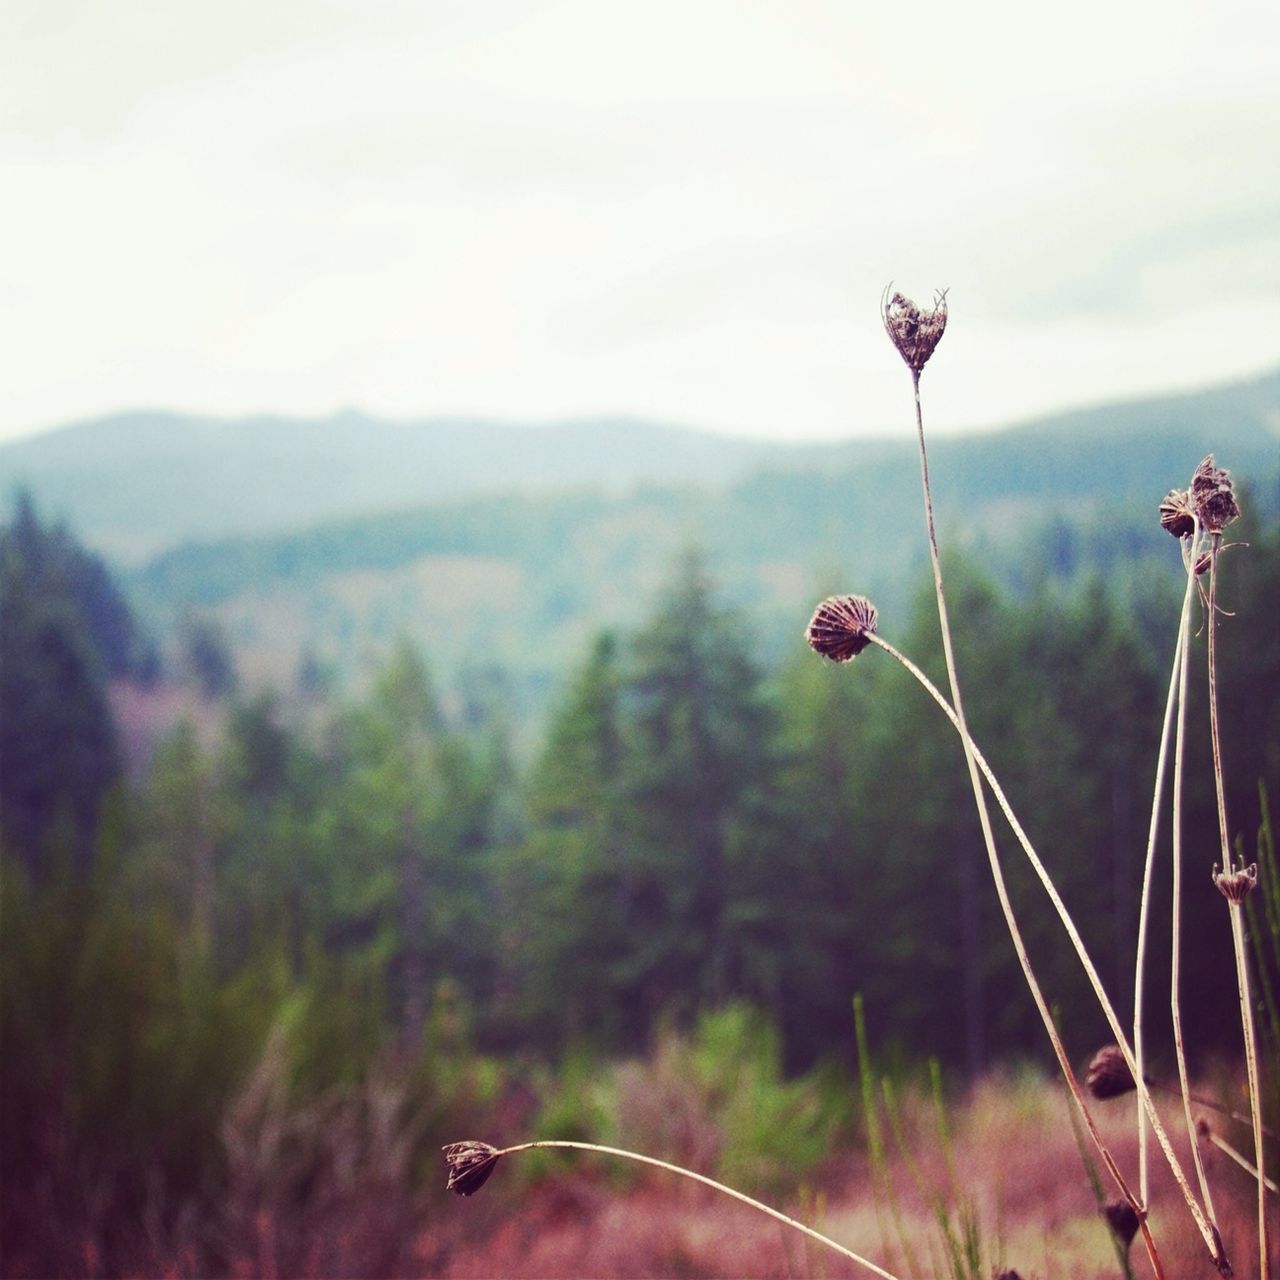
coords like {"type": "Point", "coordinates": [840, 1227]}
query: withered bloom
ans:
{"type": "Point", "coordinates": [1122, 1220]}
{"type": "Point", "coordinates": [915, 331]}
{"type": "Point", "coordinates": [1109, 1075]}
{"type": "Point", "coordinates": [1236, 886]}
{"type": "Point", "coordinates": [1177, 516]}
{"type": "Point", "coordinates": [840, 627]}
{"type": "Point", "coordinates": [470, 1164]}
{"type": "Point", "coordinates": [1212, 496]}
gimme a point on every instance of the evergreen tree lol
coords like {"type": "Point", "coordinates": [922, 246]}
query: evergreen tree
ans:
{"type": "Point", "coordinates": [60, 637]}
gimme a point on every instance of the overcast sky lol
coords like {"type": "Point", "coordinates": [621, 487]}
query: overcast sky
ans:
{"type": "Point", "coordinates": [685, 210]}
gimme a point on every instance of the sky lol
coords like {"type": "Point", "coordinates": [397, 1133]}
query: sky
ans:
{"type": "Point", "coordinates": [679, 209]}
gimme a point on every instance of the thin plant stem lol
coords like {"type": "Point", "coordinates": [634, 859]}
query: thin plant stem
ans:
{"type": "Point", "coordinates": [778, 1215]}
{"type": "Point", "coordinates": [1236, 910]}
{"type": "Point", "coordinates": [1144, 910]}
{"type": "Point", "coordinates": [1227, 1149]}
{"type": "Point", "coordinates": [1213, 1104]}
{"type": "Point", "coordinates": [1175, 957]}
{"type": "Point", "coordinates": [993, 857]}
{"type": "Point", "coordinates": [1122, 1043]}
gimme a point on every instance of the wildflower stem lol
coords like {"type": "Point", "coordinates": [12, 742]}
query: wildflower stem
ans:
{"type": "Point", "coordinates": [1192, 553]}
{"type": "Point", "coordinates": [1208, 1232]}
{"type": "Point", "coordinates": [993, 856]}
{"type": "Point", "coordinates": [1144, 910]}
{"type": "Point", "coordinates": [1236, 909]}
{"type": "Point", "coordinates": [564, 1144]}
{"type": "Point", "coordinates": [1227, 1149]}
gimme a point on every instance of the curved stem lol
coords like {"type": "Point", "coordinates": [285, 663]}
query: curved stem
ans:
{"type": "Point", "coordinates": [1209, 1233]}
{"type": "Point", "coordinates": [993, 857]}
{"type": "Point", "coordinates": [1144, 910]}
{"type": "Point", "coordinates": [786, 1220]}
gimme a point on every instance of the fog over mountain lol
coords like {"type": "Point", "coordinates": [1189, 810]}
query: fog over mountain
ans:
{"type": "Point", "coordinates": [134, 484]}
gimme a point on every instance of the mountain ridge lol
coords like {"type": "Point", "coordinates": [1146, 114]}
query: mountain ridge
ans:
{"type": "Point", "coordinates": [134, 484]}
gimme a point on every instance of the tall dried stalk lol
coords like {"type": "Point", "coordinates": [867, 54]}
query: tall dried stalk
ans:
{"type": "Point", "coordinates": [1144, 910]}
{"type": "Point", "coordinates": [916, 333]}
{"type": "Point", "coordinates": [1234, 887]}
{"type": "Point", "coordinates": [1192, 553]}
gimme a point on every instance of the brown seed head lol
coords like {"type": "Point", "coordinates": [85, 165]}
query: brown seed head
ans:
{"type": "Point", "coordinates": [915, 331]}
{"type": "Point", "coordinates": [1236, 886]}
{"type": "Point", "coordinates": [1177, 515]}
{"type": "Point", "coordinates": [470, 1164]}
{"type": "Point", "coordinates": [840, 627]}
{"type": "Point", "coordinates": [1109, 1075]}
{"type": "Point", "coordinates": [1212, 497]}
{"type": "Point", "coordinates": [1122, 1220]}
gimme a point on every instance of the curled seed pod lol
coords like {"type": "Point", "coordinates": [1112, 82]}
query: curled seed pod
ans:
{"type": "Point", "coordinates": [840, 627]}
{"type": "Point", "coordinates": [1177, 515]}
{"type": "Point", "coordinates": [1109, 1075]}
{"type": "Point", "coordinates": [915, 331]}
{"type": "Point", "coordinates": [1236, 886]}
{"type": "Point", "coordinates": [1212, 496]}
{"type": "Point", "coordinates": [1122, 1220]}
{"type": "Point", "coordinates": [470, 1164]}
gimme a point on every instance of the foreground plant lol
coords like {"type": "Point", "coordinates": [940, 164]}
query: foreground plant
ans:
{"type": "Point", "coordinates": [1215, 508]}
{"type": "Point", "coordinates": [472, 1163]}
{"type": "Point", "coordinates": [915, 332]}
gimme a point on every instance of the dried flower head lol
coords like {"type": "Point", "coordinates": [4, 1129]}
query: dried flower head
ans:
{"type": "Point", "coordinates": [1212, 497]}
{"type": "Point", "coordinates": [1005, 1273]}
{"type": "Point", "coordinates": [1122, 1220]}
{"type": "Point", "coordinates": [470, 1164]}
{"type": "Point", "coordinates": [1109, 1075]}
{"type": "Point", "coordinates": [915, 331]}
{"type": "Point", "coordinates": [1236, 886]}
{"type": "Point", "coordinates": [1177, 515]}
{"type": "Point", "coordinates": [840, 627]}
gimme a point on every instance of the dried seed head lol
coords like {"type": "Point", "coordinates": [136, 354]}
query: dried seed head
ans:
{"type": "Point", "coordinates": [915, 331]}
{"type": "Point", "coordinates": [1005, 1273]}
{"type": "Point", "coordinates": [840, 627]}
{"type": "Point", "coordinates": [1177, 515]}
{"type": "Point", "coordinates": [1109, 1075]}
{"type": "Point", "coordinates": [470, 1164]}
{"type": "Point", "coordinates": [1212, 497]}
{"type": "Point", "coordinates": [1122, 1220]}
{"type": "Point", "coordinates": [1236, 886]}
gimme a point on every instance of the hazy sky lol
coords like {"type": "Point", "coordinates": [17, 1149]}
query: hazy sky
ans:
{"type": "Point", "coordinates": [681, 209]}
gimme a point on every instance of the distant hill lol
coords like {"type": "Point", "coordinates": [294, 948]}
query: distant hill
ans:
{"type": "Point", "coordinates": [519, 581]}
{"type": "Point", "coordinates": [136, 484]}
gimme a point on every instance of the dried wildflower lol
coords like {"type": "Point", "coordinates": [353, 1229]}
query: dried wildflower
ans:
{"type": "Point", "coordinates": [470, 1164]}
{"type": "Point", "coordinates": [1122, 1220]}
{"type": "Point", "coordinates": [841, 626]}
{"type": "Point", "coordinates": [1212, 497]}
{"type": "Point", "coordinates": [915, 331]}
{"type": "Point", "coordinates": [1109, 1075]}
{"type": "Point", "coordinates": [1236, 886]}
{"type": "Point", "coordinates": [1177, 515]}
